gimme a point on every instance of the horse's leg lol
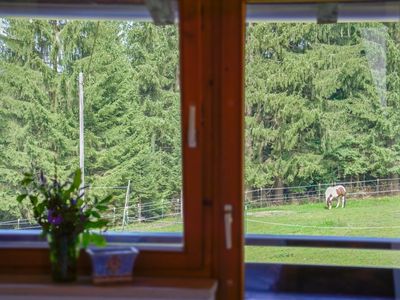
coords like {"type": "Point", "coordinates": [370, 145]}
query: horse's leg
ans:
{"type": "Point", "coordinates": [338, 202]}
{"type": "Point", "coordinates": [343, 201]}
{"type": "Point", "coordinates": [329, 203]}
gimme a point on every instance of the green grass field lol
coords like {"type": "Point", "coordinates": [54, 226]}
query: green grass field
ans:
{"type": "Point", "coordinates": [378, 217]}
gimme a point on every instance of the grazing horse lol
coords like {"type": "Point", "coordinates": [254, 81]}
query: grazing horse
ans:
{"type": "Point", "coordinates": [333, 192]}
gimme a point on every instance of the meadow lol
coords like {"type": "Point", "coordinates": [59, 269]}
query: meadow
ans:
{"type": "Point", "coordinates": [374, 217]}
{"type": "Point", "coordinates": [377, 217]}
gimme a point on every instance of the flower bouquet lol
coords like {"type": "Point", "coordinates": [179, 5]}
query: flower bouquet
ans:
{"type": "Point", "coordinates": [67, 219]}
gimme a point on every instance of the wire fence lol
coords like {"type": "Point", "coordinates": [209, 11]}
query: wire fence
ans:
{"type": "Point", "coordinates": [168, 212]}
{"type": "Point", "coordinates": [125, 212]}
{"type": "Point", "coordinates": [266, 197]}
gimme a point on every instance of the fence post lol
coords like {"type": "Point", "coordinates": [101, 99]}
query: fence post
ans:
{"type": "Point", "coordinates": [391, 186]}
{"type": "Point", "coordinates": [181, 207]}
{"type": "Point", "coordinates": [139, 211]}
{"type": "Point", "coordinates": [319, 192]}
{"type": "Point", "coordinates": [245, 216]}
{"type": "Point", "coordinates": [114, 215]}
{"type": "Point", "coordinates": [125, 216]}
{"type": "Point", "coordinates": [18, 223]}
{"type": "Point", "coordinates": [377, 186]}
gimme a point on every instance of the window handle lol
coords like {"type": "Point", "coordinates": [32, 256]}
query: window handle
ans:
{"type": "Point", "coordinates": [192, 143]}
{"type": "Point", "coordinates": [228, 225]}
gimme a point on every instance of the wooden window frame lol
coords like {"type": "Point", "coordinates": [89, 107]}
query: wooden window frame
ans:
{"type": "Point", "coordinates": [300, 278]}
{"type": "Point", "coordinates": [17, 259]}
{"type": "Point", "coordinates": [211, 55]}
{"type": "Point", "coordinates": [319, 241]}
{"type": "Point", "coordinates": [307, 1]}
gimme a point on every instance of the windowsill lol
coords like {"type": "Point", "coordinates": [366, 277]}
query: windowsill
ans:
{"type": "Point", "coordinates": [44, 245]}
{"type": "Point", "coordinates": [288, 281]}
{"type": "Point", "coordinates": [173, 242]}
{"type": "Point", "coordinates": [41, 287]}
{"type": "Point", "coordinates": [31, 239]}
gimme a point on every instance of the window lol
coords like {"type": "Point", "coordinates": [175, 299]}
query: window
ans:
{"type": "Point", "coordinates": [127, 67]}
{"type": "Point", "coordinates": [131, 132]}
{"type": "Point", "coordinates": [322, 110]}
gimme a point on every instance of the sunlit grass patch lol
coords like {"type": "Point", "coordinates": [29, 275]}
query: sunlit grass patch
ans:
{"type": "Point", "coordinates": [378, 217]}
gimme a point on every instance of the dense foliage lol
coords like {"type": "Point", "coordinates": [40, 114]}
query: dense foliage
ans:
{"type": "Point", "coordinates": [322, 104]}
{"type": "Point", "coordinates": [132, 107]}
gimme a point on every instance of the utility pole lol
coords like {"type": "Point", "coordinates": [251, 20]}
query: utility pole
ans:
{"type": "Point", "coordinates": [81, 133]}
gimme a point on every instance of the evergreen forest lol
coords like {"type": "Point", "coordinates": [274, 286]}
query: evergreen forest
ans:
{"type": "Point", "coordinates": [322, 104]}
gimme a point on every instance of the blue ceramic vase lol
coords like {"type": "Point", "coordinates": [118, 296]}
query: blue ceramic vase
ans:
{"type": "Point", "coordinates": [112, 264]}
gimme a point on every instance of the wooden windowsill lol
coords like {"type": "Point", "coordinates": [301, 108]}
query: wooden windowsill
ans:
{"type": "Point", "coordinates": [41, 287]}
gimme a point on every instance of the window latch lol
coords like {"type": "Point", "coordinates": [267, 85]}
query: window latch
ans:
{"type": "Point", "coordinates": [228, 225]}
{"type": "Point", "coordinates": [192, 142]}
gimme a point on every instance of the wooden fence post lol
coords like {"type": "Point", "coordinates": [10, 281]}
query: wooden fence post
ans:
{"type": "Point", "coordinates": [319, 192]}
{"type": "Point", "coordinates": [140, 211]}
{"type": "Point", "coordinates": [377, 186]}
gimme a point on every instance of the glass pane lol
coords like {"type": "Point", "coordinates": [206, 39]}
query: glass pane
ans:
{"type": "Point", "coordinates": [322, 110]}
{"type": "Point", "coordinates": [324, 256]}
{"type": "Point", "coordinates": [131, 115]}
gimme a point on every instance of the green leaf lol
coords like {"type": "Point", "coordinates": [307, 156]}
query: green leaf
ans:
{"type": "Point", "coordinates": [79, 203]}
{"type": "Point", "coordinates": [101, 207]}
{"type": "Point", "coordinates": [41, 207]}
{"type": "Point", "coordinates": [85, 239]}
{"type": "Point", "coordinates": [98, 240]}
{"type": "Point", "coordinates": [92, 238]}
{"type": "Point", "coordinates": [96, 224]}
{"type": "Point", "coordinates": [77, 180]}
{"type": "Point", "coordinates": [107, 199]}
{"type": "Point", "coordinates": [95, 214]}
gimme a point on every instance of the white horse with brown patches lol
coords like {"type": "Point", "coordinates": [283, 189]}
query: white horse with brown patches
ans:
{"type": "Point", "coordinates": [333, 192]}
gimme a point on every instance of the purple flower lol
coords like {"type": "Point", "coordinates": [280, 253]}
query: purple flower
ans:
{"type": "Point", "coordinates": [54, 218]}
{"type": "Point", "coordinates": [73, 202]}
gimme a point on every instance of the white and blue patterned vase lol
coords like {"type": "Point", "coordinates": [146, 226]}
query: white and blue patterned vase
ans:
{"type": "Point", "coordinates": [112, 264]}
